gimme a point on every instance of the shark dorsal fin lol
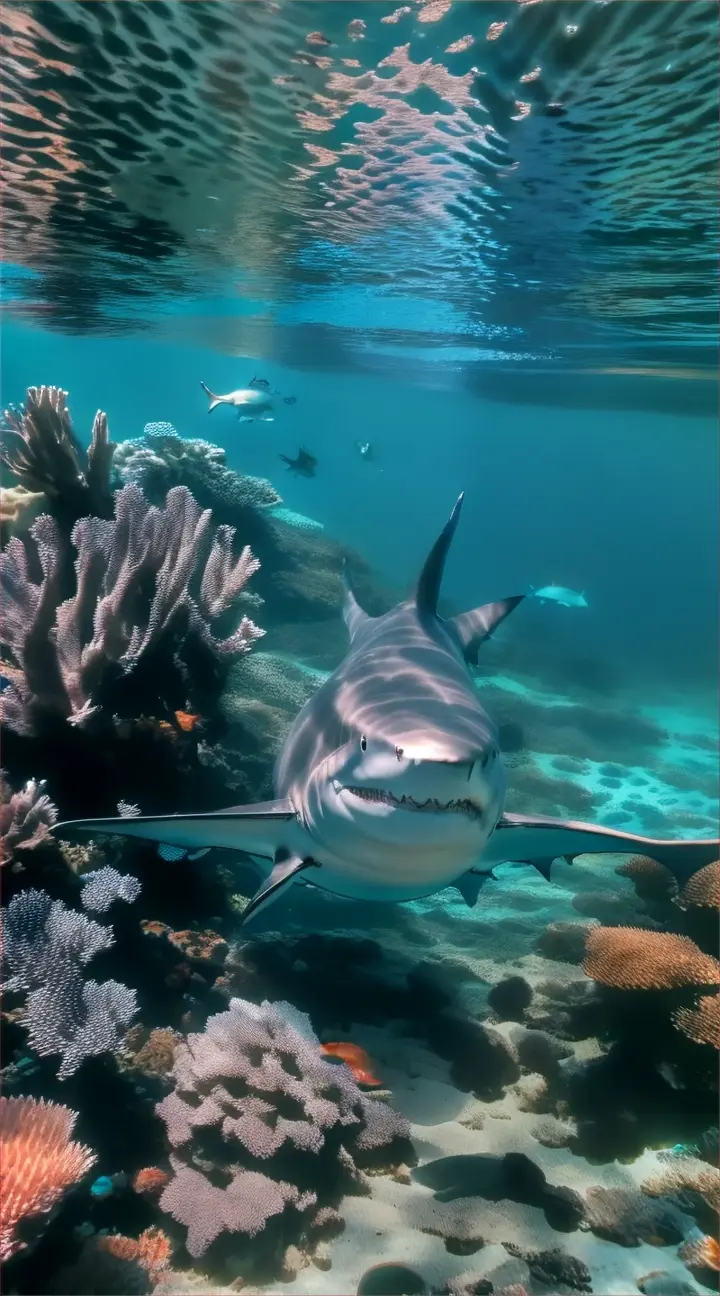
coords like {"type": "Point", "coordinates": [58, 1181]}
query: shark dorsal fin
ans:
{"type": "Point", "coordinates": [472, 628]}
{"type": "Point", "coordinates": [427, 591]}
{"type": "Point", "coordinates": [353, 615]}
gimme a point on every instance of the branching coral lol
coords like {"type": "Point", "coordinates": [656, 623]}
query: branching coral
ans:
{"type": "Point", "coordinates": [104, 886]}
{"type": "Point", "coordinates": [687, 1175]}
{"type": "Point", "coordinates": [255, 1086]}
{"type": "Point", "coordinates": [632, 959]}
{"type": "Point", "coordinates": [25, 817]}
{"type": "Point", "coordinates": [39, 1162]}
{"type": "Point", "coordinates": [145, 582]}
{"type": "Point", "coordinates": [45, 947]}
{"type": "Point", "coordinates": [41, 449]}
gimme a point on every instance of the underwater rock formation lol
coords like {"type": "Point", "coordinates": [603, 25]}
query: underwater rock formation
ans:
{"type": "Point", "coordinates": [39, 1163]}
{"type": "Point", "coordinates": [253, 1092]}
{"type": "Point", "coordinates": [40, 448]}
{"type": "Point", "coordinates": [135, 597]}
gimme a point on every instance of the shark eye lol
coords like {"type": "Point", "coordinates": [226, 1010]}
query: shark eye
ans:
{"type": "Point", "coordinates": [399, 752]}
{"type": "Point", "coordinates": [363, 743]}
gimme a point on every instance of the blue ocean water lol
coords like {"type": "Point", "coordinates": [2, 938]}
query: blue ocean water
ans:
{"type": "Point", "coordinates": [469, 247]}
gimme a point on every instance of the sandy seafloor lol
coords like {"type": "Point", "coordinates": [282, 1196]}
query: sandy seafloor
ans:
{"type": "Point", "coordinates": [476, 949]}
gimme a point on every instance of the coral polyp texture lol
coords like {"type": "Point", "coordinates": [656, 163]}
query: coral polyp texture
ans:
{"type": "Point", "coordinates": [41, 449]}
{"type": "Point", "coordinates": [26, 817]}
{"type": "Point", "coordinates": [145, 582]}
{"type": "Point", "coordinates": [39, 1163]}
{"type": "Point", "coordinates": [253, 1095]}
{"type": "Point", "coordinates": [702, 1023]}
{"type": "Point", "coordinates": [702, 890]}
{"type": "Point", "coordinates": [102, 887]}
{"type": "Point", "coordinates": [45, 947]}
{"type": "Point", "coordinates": [161, 459]}
{"type": "Point", "coordinates": [629, 958]}
{"type": "Point", "coordinates": [652, 881]}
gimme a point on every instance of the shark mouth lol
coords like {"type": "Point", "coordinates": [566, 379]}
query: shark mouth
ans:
{"type": "Point", "coordinates": [431, 806]}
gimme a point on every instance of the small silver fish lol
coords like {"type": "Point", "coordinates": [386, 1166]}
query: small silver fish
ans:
{"type": "Point", "coordinates": [253, 403]}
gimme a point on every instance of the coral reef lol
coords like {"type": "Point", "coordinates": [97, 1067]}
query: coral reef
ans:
{"type": "Point", "coordinates": [251, 1091]}
{"type": "Point", "coordinates": [25, 817]}
{"type": "Point", "coordinates": [65, 653]}
{"type": "Point", "coordinates": [702, 1023]}
{"type": "Point", "coordinates": [161, 459]}
{"type": "Point", "coordinates": [631, 959]}
{"type": "Point", "coordinates": [39, 1163]}
{"type": "Point", "coordinates": [40, 448]}
{"type": "Point", "coordinates": [45, 946]}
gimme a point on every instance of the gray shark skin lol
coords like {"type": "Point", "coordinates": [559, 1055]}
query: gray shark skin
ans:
{"type": "Point", "coordinates": [390, 783]}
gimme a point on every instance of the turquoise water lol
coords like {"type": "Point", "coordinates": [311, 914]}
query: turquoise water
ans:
{"type": "Point", "coordinates": [469, 247]}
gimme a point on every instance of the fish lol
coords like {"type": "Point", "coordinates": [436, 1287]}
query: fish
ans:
{"type": "Point", "coordinates": [253, 403]}
{"type": "Point", "coordinates": [559, 594]}
{"type": "Point", "coordinates": [356, 1059]}
{"type": "Point", "coordinates": [304, 465]}
{"type": "Point", "coordinates": [390, 784]}
{"type": "Point", "coordinates": [365, 450]}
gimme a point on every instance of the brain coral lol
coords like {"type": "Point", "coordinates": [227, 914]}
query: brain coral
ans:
{"type": "Point", "coordinates": [629, 958]}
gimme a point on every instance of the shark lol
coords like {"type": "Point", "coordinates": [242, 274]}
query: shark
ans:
{"type": "Point", "coordinates": [390, 784]}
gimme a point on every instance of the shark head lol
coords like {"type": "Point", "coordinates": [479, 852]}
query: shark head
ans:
{"type": "Point", "coordinates": [407, 783]}
{"type": "Point", "coordinates": [376, 800]}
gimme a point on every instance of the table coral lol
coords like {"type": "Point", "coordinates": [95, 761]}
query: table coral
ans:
{"type": "Point", "coordinates": [629, 958]}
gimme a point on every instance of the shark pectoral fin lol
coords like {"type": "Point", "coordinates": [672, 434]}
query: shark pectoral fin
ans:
{"type": "Point", "coordinates": [470, 885]}
{"type": "Point", "coordinates": [256, 829]}
{"type": "Point", "coordinates": [472, 628]}
{"type": "Point", "coordinates": [287, 867]}
{"type": "Point", "coordinates": [535, 839]}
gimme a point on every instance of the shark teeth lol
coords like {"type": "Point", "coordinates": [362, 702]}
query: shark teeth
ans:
{"type": "Point", "coordinates": [431, 805]}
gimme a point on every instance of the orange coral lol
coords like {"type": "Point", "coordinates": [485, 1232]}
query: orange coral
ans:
{"type": "Point", "coordinates": [703, 888]}
{"type": "Point", "coordinates": [701, 1253]}
{"type": "Point", "coordinates": [202, 946]}
{"type": "Point", "coordinates": [187, 720]}
{"type": "Point", "coordinates": [39, 1162]}
{"type": "Point", "coordinates": [687, 1174]}
{"type": "Point", "coordinates": [157, 1055]}
{"type": "Point", "coordinates": [652, 881]}
{"type": "Point", "coordinates": [150, 1180]}
{"type": "Point", "coordinates": [152, 1249]}
{"type": "Point", "coordinates": [702, 1023]}
{"type": "Point", "coordinates": [630, 958]}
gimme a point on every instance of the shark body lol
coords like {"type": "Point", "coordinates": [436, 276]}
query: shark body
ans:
{"type": "Point", "coordinates": [390, 784]}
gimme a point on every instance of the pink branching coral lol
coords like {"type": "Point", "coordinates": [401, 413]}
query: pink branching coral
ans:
{"type": "Point", "coordinates": [253, 1087]}
{"type": "Point", "coordinates": [25, 817]}
{"type": "Point", "coordinates": [39, 1162]}
{"type": "Point", "coordinates": [41, 449]}
{"type": "Point", "coordinates": [152, 579]}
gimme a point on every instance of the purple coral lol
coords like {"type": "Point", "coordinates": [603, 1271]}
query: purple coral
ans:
{"type": "Point", "coordinates": [256, 1077]}
{"type": "Point", "coordinates": [25, 817]}
{"type": "Point", "coordinates": [151, 578]}
{"type": "Point", "coordinates": [41, 449]}
{"type": "Point", "coordinates": [40, 934]}
{"type": "Point", "coordinates": [45, 946]}
{"type": "Point", "coordinates": [104, 886]}
{"type": "Point", "coordinates": [244, 1206]}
